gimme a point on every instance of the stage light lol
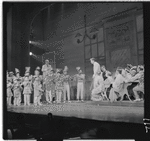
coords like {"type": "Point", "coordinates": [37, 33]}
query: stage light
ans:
{"type": "Point", "coordinates": [30, 42]}
{"type": "Point", "coordinates": [30, 53]}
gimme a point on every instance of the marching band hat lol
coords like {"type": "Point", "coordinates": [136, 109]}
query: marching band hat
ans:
{"type": "Point", "coordinates": [17, 70]}
{"type": "Point", "coordinates": [11, 72]}
{"type": "Point", "coordinates": [78, 68]}
{"type": "Point", "coordinates": [58, 70]}
{"type": "Point", "coordinates": [38, 68]}
{"type": "Point", "coordinates": [65, 69]}
{"type": "Point", "coordinates": [27, 69]}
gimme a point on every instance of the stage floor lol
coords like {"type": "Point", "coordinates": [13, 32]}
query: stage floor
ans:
{"type": "Point", "coordinates": [125, 111]}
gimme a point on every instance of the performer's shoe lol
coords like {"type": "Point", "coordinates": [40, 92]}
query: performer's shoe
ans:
{"type": "Point", "coordinates": [137, 100]}
{"type": "Point", "coordinates": [64, 102]}
{"type": "Point", "coordinates": [39, 104]}
{"type": "Point", "coordinates": [69, 101]}
{"type": "Point", "coordinates": [82, 100]}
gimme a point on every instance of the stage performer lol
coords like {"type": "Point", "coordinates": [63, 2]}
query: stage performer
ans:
{"type": "Point", "coordinates": [140, 86]}
{"type": "Point", "coordinates": [108, 79]}
{"type": "Point", "coordinates": [17, 91]}
{"type": "Point", "coordinates": [66, 79]}
{"type": "Point", "coordinates": [11, 76]}
{"type": "Point", "coordinates": [46, 68]}
{"type": "Point", "coordinates": [37, 91]}
{"type": "Point", "coordinates": [50, 86]}
{"type": "Point", "coordinates": [27, 83]}
{"type": "Point", "coordinates": [80, 84]}
{"type": "Point", "coordinates": [37, 79]}
{"type": "Point", "coordinates": [20, 80]}
{"type": "Point", "coordinates": [99, 88]}
{"type": "Point", "coordinates": [117, 85]}
{"type": "Point", "coordinates": [59, 86]}
{"type": "Point", "coordinates": [96, 70]}
{"type": "Point", "coordinates": [9, 91]}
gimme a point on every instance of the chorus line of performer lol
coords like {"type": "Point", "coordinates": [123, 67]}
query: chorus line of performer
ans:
{"type": "Point", "coordinates": [55, 84]}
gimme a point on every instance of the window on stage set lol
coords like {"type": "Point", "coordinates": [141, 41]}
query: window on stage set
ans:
{"type": "Point", "coordinates": [100, 35]}
{"type": "Point", "coordinates": [87, 52]}
{"type": "Point", "coordinates": [139, 23]}
{"type": "Point", "coordinates": [101, 49]}
{"type": "Point", "coordinates": [94, 50]}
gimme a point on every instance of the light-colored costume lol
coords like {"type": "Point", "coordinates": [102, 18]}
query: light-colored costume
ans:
{"type": "Point", "coordinates": [80, 84]}
{"type": "Point", "coordinates": [9, 92]}
{"type": "Point", "coordinates": [96, 70]}
{"type": "Point", "coordinates": [66, 79]}
{"type": "Point", "coordinates": [37, 90]}
{"type": "Point", "coordinates": [140, 85]}
{"type": "Point", "coordinates": [59, 87]}
{"type": "Point", "coordinates": [50, 87]}
{"type": "Point", "coordinates": [99, 87]}
{"type": "Point", "coordinates": [19, 80]}
{"type": "Point", "coordinates": [117, 87]}
{"type": "Point", "coordinates": [45, 69]}
{"type": "Point", "coordinates": [27, 83]}
{"type": "Point", "coordinates": [37, 79]}
{"type": "Point", "coordinates": [17, 92]}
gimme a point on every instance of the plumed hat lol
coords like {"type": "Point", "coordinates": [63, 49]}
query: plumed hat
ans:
{"type": "Point", "coordinates": [27, 71]}
{"type": "Point", "coordinates": [17, 70]}
{"type": "Point", "coordinates": [65, 69]}
{"type": "Point", "coordinates": [11, 73]}
{"type": "Point", "coordinates": [58, 70]}
{"type": "Point", "coordinates": [38, 68]}
{"type": "Point", "coordinates": [78, 68]}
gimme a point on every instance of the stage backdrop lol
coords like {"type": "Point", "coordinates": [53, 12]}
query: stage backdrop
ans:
{"type": "Point", "coordinates": [120, 41]}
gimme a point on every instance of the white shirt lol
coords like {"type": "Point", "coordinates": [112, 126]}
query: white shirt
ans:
{"type": "Point", "coordinates": [46, 68]}
{"type": "Point", "coordinates": [118, 81]}
{"type": "Point", "coordinates": [96, 68]}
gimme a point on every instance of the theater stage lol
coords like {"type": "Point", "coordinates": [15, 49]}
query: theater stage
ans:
{"type": "Point", "coordinates": [125, 111]}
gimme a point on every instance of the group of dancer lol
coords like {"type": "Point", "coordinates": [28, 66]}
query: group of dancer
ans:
{"type": "Point", "coordinates": [124, 80]}
{"type": "Point", "coordinates": [54, 83]}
